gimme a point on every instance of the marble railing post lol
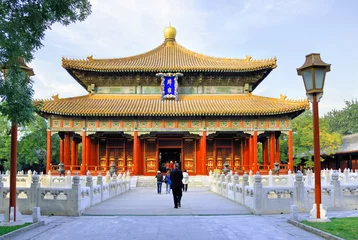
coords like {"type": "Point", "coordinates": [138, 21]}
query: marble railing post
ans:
{"type": "Point", "coordinates": [76, 195]}
{"type": "Point", "coordinates": [258, 201]}
{"type": "Point", "coordinates": [89, 183]}
{"type": "Point", "coordinates": [309, 177]}
{"type": "Point", "coordinates": [337, 190]}
{"type": "Point", "coordinates": [114, 183]}
{"type": "Point", "coordinates": [29, 178]}
{"type": "Point", "coordinates": [245, 182]}
{"type": "Point", "coordinates": [108, 177]}
{"type": "Point", "coordinates": [100, 182]}
{"type": "Point", "coordinates": [49, 178]}
{"type": "Point", "coordinates": [290, 178]}
{"type": "Point", "coordinates": [235, 182]}
{"type": "Point", "coordinates": [300, 191]}
{"type": "Point", "coordinates": [35, 185]}
{"type": "Point", "coordinates": [346, 176]}
{"type": "Point", "coordinates": [222, 180]}
{"type": "Point", "coordinates": [120, 184]}
{"type": "Point", "coordinates": [270, 179]}
{"type": "Point", "coordinates": [68, 179]}
{"type": "Point", "coordinates": [251, 178]}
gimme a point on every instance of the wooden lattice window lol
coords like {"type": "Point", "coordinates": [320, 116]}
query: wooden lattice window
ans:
{"type": "Point", "coordinates": [150, 149]}
{"type": "Point", "coordinates": [189, 149]}
{"type": "Point", "coordinates": [129, 149]}
{"type": "Point", "coordinates": [237, 148]}
{"type": "Point", "coordinates": [102, 148]}
{"type": "Point", "coordinates": [210, 149]}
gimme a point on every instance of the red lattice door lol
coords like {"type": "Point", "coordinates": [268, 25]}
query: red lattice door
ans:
{"type": "Point", "coordinates": [189, 155]}
{"type": "Point", "coordinates": [150, 156]}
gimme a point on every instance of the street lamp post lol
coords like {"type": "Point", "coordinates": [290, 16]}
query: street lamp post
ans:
{"type": "Point", "coordinates": [313, 72]}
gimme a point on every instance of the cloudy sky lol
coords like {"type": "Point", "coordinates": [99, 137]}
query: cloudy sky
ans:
{"type": "Point", "coordinates": [287, 29]}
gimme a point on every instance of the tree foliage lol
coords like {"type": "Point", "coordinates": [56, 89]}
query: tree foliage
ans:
{"type": "Point", "coordinates": [344, 121]}
{"type": "Point", "coordinates": [22, 29]}
{"type": "Point", "coordinates": [18, 92]}
{"type": "Point", "coordinates": [303, 138]}
{"type": "Point", "coordinates": [23, 24]}
{"type": "Point", "coordinates": [32, 146]}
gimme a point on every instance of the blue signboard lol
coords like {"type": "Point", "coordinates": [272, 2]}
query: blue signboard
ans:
{"type": "Point", "coordinates": [169, 85]}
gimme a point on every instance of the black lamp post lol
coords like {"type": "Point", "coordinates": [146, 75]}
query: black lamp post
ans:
{"type": "Point", "coordinates": [313, 72]}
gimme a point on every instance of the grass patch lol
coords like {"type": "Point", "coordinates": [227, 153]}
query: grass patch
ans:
{"type": "Point", "coordinates": [341, 227]}
{"type": "Point", "coordinates": [7, 229]}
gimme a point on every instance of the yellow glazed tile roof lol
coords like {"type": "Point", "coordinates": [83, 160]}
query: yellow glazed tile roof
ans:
{"type": "Point", "coordinates": [169, 57]}
{"type": "Point", "coordinates": [187, 105]}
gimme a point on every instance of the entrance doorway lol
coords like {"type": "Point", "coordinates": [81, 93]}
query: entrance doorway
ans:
{"type": "Point", "coordinates": [168, 154]}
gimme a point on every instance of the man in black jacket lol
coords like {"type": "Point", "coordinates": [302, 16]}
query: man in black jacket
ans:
{"type": "Point", "coordinates": [176, 176]}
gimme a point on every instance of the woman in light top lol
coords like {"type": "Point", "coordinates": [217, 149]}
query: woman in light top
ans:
{"type": "Point", "coordinates": [185, 180]}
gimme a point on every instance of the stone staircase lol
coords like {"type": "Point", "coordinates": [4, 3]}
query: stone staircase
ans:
{"type": "Point", "coordinates": [194, 181]}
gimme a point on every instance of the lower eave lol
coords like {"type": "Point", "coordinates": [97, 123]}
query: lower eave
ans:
{"type": "Point", "coordinates": [187, 106]}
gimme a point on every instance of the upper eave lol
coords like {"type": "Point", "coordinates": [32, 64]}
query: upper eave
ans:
{"type": "Point", "coordinates": [187, 105]}
{"type": "Point", "coordinates": [169, 57]}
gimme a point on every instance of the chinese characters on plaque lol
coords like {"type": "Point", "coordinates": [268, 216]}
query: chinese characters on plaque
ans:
{"type": "Point", "coordinates": [169, 85]}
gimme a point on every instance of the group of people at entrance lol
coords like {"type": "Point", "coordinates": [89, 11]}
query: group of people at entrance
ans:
{"type": "Point", "coordinates": [175, 180]}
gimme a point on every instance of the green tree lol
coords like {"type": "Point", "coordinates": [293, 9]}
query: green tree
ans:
{"type": "Point", "coordinates": [4, 141]}
{"type": "Point", "coordinates": [32, 146]}
{"type": "Point", "coordinates": [303, 139]}
{"type": "Point", "coordinates": [344, 121]}
{"type": "Point", "coordinates": [22, 29]}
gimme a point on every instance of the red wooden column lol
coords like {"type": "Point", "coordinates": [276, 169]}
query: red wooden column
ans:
{"type": "Point", "coordinates": [265, 153]}
{"type": "Point", "coordinates": [290, 152]}
{"type": "Point", "coordinates": [83, 164]}
{"type": "Point", "coordinates": [67, 156]}
{"type": "Point", "coordinates": [61, 147]}
{"type": "Point", "coordinates": [49, 151]}
{"type": "Point", "coordinates": [203, 154]}
{"type": "Point", "coordinates": [135, 153]}
{"type": "Point", "coordinates": [272, 149]}
{"type": "Point", "coordinates": [139, 153]}
{"type": "Point", "coordinates": [250, 153]}
{"type": "Point", "coordinates": [88, 151]}
{"type": "Point", "coordinates": [76, 153]}
{"type": "Point", "coordinates": [92, 152]}
{"type": "Point", "coordinates": [278, 149]}
{"type": "Point", "coordinates": [245, 151]}
{"type": "Point", "coordinates": [255, 164]}
{"type": "Point", "coordinates": [73, 152]}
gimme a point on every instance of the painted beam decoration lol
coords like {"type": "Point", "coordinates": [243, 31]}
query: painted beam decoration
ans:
{"type": "Point", "coordinates": [169, 85]}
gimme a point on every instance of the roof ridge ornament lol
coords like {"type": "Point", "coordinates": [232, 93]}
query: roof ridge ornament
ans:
{"type": "Point", "coordinates": [169, 35]}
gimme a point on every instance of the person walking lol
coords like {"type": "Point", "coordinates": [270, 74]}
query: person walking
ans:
{"type": "Point", "coordinates": [176, 177]}
{"type": "Point", "coordinates": [159, 178]}
{"type": "Point", "coordinates": [167, 182]}
{"type": "Point", "coordinates": [185, 181]}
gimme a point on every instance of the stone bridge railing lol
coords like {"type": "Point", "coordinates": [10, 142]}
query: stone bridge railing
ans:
{"type": "Point", "coordinates": [275, 194]}
{"type": "Point", "coordinates": [69, 195]}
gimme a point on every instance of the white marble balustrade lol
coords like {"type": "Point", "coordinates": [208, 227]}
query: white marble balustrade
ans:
{"type": "Point", "coordinates": [275, 194]}
{"type": "Point", "coordinates": [68, 195]}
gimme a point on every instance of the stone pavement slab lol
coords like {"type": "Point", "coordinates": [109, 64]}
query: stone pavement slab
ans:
{"type": "Point", "coordinates": [168, 227]}
{"type": "Point", "coordinates": [146, 202]}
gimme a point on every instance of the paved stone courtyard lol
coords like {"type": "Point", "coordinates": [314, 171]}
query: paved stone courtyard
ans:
{"type": "Point", "coordinates": [143, 214]}
{"type": "Point", "coordinates": [146, 202]}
